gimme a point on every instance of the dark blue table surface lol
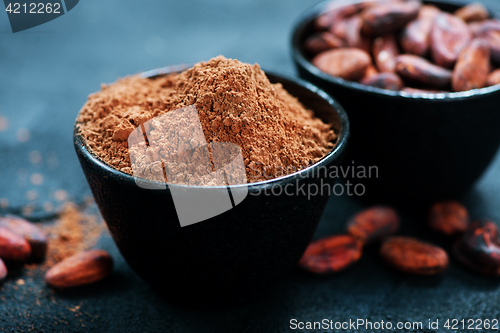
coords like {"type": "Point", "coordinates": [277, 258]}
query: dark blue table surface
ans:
{"type": "Point", "coordinates": [46, 74]}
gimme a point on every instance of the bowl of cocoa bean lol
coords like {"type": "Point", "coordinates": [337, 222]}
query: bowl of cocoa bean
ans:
{"type": "Point", "coordinates": [420, 81]}
{"type": "Point", "coordinates": [212, 244]}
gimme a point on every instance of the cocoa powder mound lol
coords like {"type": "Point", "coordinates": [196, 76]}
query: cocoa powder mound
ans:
{"type": "Point", "coordinates": [235, 102]}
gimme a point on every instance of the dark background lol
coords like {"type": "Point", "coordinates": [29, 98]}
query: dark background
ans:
{"type": "Point", "coordinates": [46, 74]}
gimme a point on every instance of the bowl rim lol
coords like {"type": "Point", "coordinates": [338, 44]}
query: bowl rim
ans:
{"type": "Point", "coordinates": [299, 57]}
{"type": "Point", "coordinates": [334, 154]}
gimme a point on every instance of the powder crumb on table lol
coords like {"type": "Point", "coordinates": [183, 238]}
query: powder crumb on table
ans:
{"type": "Point", "coordinates": [235, 102]}
{"type": "Point", "coordinates": [74, 231]}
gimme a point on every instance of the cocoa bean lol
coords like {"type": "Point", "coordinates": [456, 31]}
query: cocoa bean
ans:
{"type": "Point", "coordinates": [353, 35]}
{"type": "Point", "coordinates": [389, 81]}
{"type": "Point", "coordinates": [449, 36]}
{"type": "Point", "coordinates": [421, 91]}
{"type": "Point", "coordinates": [479, 248]}
{"type": "Point", "coordinates": [82, 268]}
{"type": "Point", "coordinates": [492, 37]}
{"type": "Point", "coordinates": [449, 218]}
{"type": "Point", "coordinates": [493, 78]}
{"type": "Point", "coordinates": [369, 72]}
{"type": "Point", "coordinates": [3, 271]}
{"type": "Point", "coordinates": [339, 28]}
{"type": "Point", "coordinates": [322, 41]}
{"type": "Point", "coordinates": [30, 232]}
{"type": "Point", "coordinates": [337, 11]}
{"type": "Point", "coordinates": [13, 247]}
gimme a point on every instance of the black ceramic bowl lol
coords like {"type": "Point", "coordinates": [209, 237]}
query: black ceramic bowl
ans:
{"type": "Point", "coordinates": [426, 147]}
{"type": "Point", "coordinates": [229, 258]}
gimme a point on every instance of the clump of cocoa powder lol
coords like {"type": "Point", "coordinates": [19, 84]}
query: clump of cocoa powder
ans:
{"type": "Point", "coordinates": [235, 102]}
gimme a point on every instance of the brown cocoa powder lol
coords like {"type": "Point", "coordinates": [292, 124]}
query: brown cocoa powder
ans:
{"type": "Point", "coordinates": [235, 102]}
{"type": "Point", "coordinates": [74, 231]}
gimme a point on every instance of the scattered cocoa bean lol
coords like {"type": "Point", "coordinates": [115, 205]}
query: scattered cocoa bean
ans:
{"type": "Point", "coordinates": [472, 67]}
{"type": "Point", "coordinates": [3, 271]}
{"type": "Point", "coordinates": [449, 36]}
{"type": "Point", "coordinates": [374, 3]}
{"type": "Point", "coordinates": [322, 41]}
{"type": "Point", "coordinates": [449, 218]}
{"type": "Point", "coordinates": [418, 69]}
{"type": "Point", "coordinates": [373, 224]}
{"type": "Point", "coordinates": [413, 256]}
{"type": "Point", "coordinates": [346, 63]}
{"type": "Point", "coordinates": [472, 12]}
{"type": "Point", "coordinates": [82, 268]}
{"type": "Point", "coordinates": [428, 12]}
{"type": "Point", "coordinates": [13, 247]}
{"type": "Point", "coordinates": [385, 50]}
{"type": "Point", "coordinates": [493, 78]}
{"type": "Point", "coordinates": [463, 255]}
{"type": "Point", "coordinates": [479, 28]}
{"type": "Point", "coordinates": [30, 232]}
{"type": "Point", "coordinates": [331, 254]}
{"type": "Point", "coordinates": [415, 36]}
{"type": "Point", "coordinates": [388, 18]}
{"type": "Point", "coordinates": [339, 28]}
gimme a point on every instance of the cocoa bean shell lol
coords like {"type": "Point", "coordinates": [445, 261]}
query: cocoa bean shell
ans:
{"type": "Point", "coordinates": [346, 63]}
{"type": "Point", "coordinates": [472, 67]}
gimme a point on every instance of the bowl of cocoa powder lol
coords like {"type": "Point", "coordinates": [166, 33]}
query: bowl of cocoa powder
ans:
{"type": "Point", "coordinates": [183, 234]}
{"type": "Point", "coordinates": [420, 83]}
